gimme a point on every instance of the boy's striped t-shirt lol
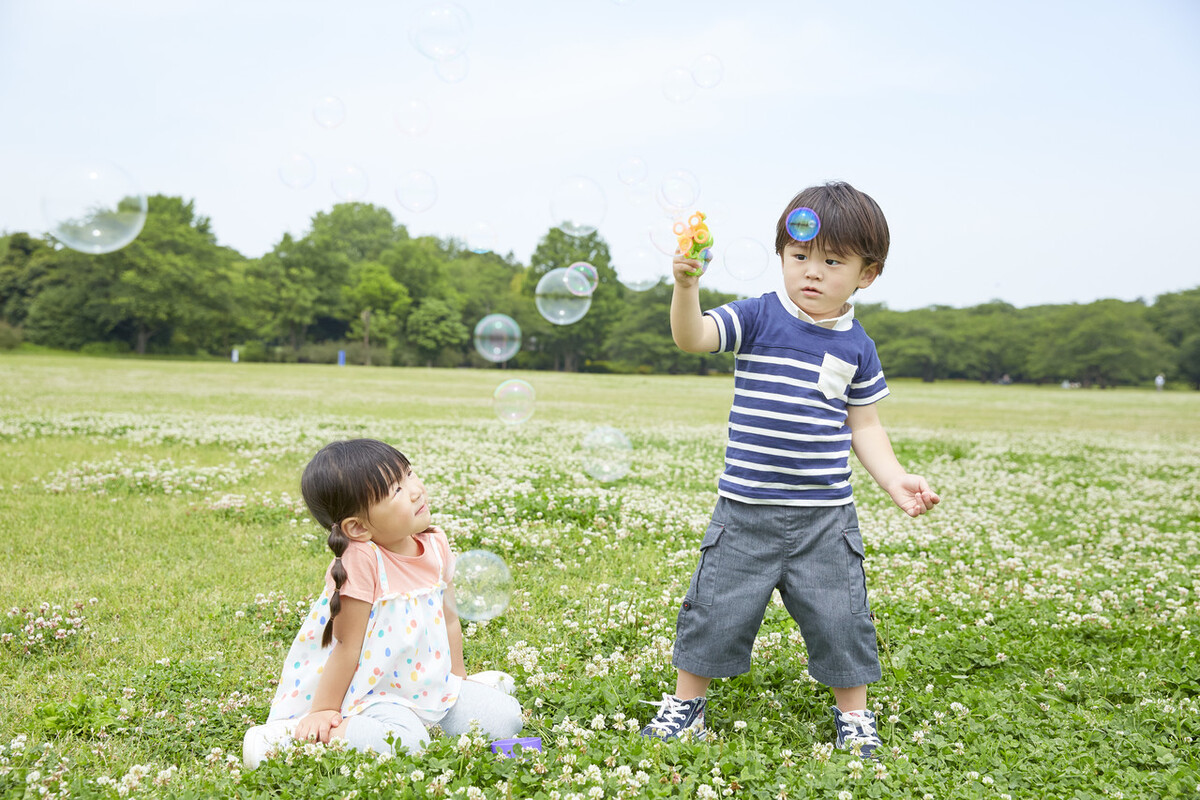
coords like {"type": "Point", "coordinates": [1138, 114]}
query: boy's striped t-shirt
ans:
{"type": "Point", "coordinates": [789, 443]}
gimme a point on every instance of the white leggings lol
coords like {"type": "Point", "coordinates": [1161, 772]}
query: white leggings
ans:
{"type": "Point", "coordinates": [498, 715]}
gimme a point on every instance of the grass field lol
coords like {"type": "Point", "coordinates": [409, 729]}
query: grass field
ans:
{"type": "Point", "coordinates": [1037, 630]}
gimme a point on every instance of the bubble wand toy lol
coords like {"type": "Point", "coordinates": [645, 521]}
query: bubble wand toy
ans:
{"type": "Point", "coordinates": [695, 240]}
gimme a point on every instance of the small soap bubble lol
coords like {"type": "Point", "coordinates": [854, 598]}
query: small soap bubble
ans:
{"type": "Point", "coordinates": [297, 170]}
{"type": "Point", "coordinates": [417, 191]}
{"type": "Point", "coordinates": [679, 190]}
{"type": "Point", "coordinates": [412, 117]}
{"type": "Point", "coordinates": [329, 112]}
{"type": "Point", "coordinates": [707, 71]}
{"type": "Point", "coordinates": [440, 31]}
{"type": "Point", "coordinates": [497, 337]}
{"type": "Point", "coordinates": [482, 585]}
{"type": "Point", "coordinates": [590, 278]}
{"type": "Point", "coordinates": [350, 183]}
{"type": "Point", "coordinates": [578, 206]}
{"type": "Point", "coordinates": [453, 70]}
{"type": "Point", "coordinates": [678, 86]}
{"type": "Point", "coordinates": [513, 401]}
{"type": "Point", "coordinates": [640, 268]}
{"type": "Point", "coordinates": [561, 296]}
{"type": "Point", "coordinates": [639, 194]}
{"type": "Point", "coordinates": [803, 224]}
{"type": "Point", "coordinates": [93, 207]}
{"type": "Point", "coordinates": [481, 237]}
{"type": "Point", "coordinates": [746, 258]}
{"type": "Point", "coordinates": [607, 454]}
{"type": "Point", "coordinates": [632, 170]}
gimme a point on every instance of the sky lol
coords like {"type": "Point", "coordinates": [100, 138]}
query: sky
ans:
{"type": "Point", "coordinates": [1030, 151]}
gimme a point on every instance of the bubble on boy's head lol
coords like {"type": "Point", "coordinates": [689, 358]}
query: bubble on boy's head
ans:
{"type": "Point", "coordinates": [513, 401]}
{"type": "Point", "coordinates": [678, 191]}
{"type": "Point", "coordinates": [606, 453]}
{"type": "Point", "coordinates": [482, 585]}
{"type": "Point", "coordinates": [590, 278]}
{"type": "Point", "coordinates": [297, 170]}
{"type": "Point", "coordinates": [707, 71]}
{"type": "Point", "coordinates": [92, 207]}
{"type": "Point", "coordinates": [803, 224]}
{"type": "Point", "coordinates": [417, 191]}
{"type": "Point", "coordinates": [350, 183]}
{"type": "Point", "coordinates": [746, 258]}
{"type": "Point", "coordinates": [440, 31]}
{"type": "Point", "coordinates": [562, 296]}
{"type": "Point", "coordinates": [497, 337]}
{"type": "Point", "coordinates": [578, 206]}
{"type": "Point", "coordinates": [329, 112]}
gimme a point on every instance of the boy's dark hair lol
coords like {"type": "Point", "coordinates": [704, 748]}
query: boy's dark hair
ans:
{"type": "Point", "coordinates": [344, 479]}
{"type": "Point", "coordinates": [852, 224]}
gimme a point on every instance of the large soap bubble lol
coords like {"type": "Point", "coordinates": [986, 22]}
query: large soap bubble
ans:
{"type": "Point", "coordinates": [562, 296]}
{"type": "Point", "coordinates": [417, 191]}
{"type": "Point", "coordinates": [606, 453]}
{"type": "Point", "coordinates": [329, 112]}
{"type": "Point", "coordinates": [297, 170]}
{"type": "Point", "coordinates": [93, 207]}
{"type": "Point", "coordinates": [590, 277]}
{"type": "Point", "coordinates": [513, 401]}
{"type": "Point", "coordinates": [497, 337]}
{"type": "Point", "coordinates": [678, 191]}
{"type": "Point", "coordinates": [578, 206]}
{"type": "Point", "coordinates": [350, 183]}
{"type": "Point", "coordinates": [482, 585]}
{"type": "Point", "coordinates": [640, 268]}
{"type": "Point", "coordinates": [707, 71]}
{"type": "Point", "coordinates": [441, 30]}
{"type": "Point", "coordinates": [746, 258]}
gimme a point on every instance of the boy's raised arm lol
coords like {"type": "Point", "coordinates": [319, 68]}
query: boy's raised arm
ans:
{"type": "Point", "coordinates": [692, 330]}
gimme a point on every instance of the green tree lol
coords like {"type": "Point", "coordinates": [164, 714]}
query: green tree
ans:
{"type": "Point", "coordinates": [434, 326]}
{"type": "Point", "coordinates": [1105, 343]}
{"type": "Point", "coordinates": [282, 293]}
{"type": "Point", "coordinates": [373, 291]}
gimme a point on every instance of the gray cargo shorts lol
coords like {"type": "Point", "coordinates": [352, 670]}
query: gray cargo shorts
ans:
{"type": "Point", "coordinates": [814, 556]}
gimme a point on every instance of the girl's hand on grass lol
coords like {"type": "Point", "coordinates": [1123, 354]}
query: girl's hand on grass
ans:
{"type": "Point", "coordinates": [913, 495]}
{"type": "Point", "coordinates": [317, 726]}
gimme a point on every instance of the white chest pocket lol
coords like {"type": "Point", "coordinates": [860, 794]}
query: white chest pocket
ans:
{"type": "Point", "coordinates": [835, 377]}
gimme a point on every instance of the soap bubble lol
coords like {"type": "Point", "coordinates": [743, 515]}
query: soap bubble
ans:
{"type": "Point", "coordinates": [746, 258]}
{"type": "Point", "coordinates": [663, 238]}
{"type": "Point", "coordinates": [632, 170]}
{"type": "Point", "coordinates": [606, 454]}
{"type": "Point", "coordinates": [497, 337]}
{"type": "Point", "coordinates": [329, 112]}
{"type": "Point", "coordinates": [481, 238]}
{"type": "Point", "coordinates": [412, 117]}
{"type": "Point", "coordinates": [679, 190]}
{"type": "Point", "coordinates": [297, 170]}
{"type": "Point", "coordinates": [641, 268]}
{"type": "Point", "coordinates": [707, 71]}
{"type": "Point", "coordinates": [482, 585]}
{"type": "Point", "coordinates": [513, 401]}
{"type": "Point", "coordinates": [589, 274]}
{"type": "Point", "coordinates": [578, 206]}
{"type": "Point", "coordinates": [561, 296]}
{"type": "Point", "coordinates": [803, 224]}
{"type": "Point", "coordinates": [93, 207]}
{"type": "Point", "coordinates": [453, 70]}
{"type": "Point", "coordinates": [678, 86]}
{"type": "Point", "coordinates": [440, 31]}
{"type": "Point", "coordinates": [639, 194]}
{"type": "Point", "coordinates": [350, 183]}
{"type": "Point", "coordinates": [417, 191]}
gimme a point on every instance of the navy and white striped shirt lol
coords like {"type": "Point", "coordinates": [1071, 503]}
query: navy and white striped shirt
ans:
{"type": "Point", "coordinates": [789, 443]}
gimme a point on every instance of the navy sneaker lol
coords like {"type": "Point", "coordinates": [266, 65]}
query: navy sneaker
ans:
{"type": "Point", "coordinates": [856, 731]}
{"type": "Point", "coordinates": [676, 717]}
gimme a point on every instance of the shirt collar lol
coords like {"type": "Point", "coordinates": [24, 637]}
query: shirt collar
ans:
{"type": "Point", "coordinates": [842, 323]}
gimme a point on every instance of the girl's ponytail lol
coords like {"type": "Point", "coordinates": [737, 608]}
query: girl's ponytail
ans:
{"type": "Point", "coordinates": [338, 542]}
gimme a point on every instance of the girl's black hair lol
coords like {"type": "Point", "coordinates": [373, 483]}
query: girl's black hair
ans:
{"type": "Point", "coordinates": [344, 479]}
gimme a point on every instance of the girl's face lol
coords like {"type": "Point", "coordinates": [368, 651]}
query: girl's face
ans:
{"type": "Point", "coordinates": [403, 513]}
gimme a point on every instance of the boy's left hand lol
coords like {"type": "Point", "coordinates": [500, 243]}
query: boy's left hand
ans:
{"type": "Point", "coordinates": [913, 495]}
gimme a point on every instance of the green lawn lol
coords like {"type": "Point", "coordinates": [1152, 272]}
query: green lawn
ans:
{"type": "Point", "coordinates": [1037, 630]}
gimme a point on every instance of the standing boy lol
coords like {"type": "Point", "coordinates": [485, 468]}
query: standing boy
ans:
{"type": "Point", "coordinates": [805, 384]}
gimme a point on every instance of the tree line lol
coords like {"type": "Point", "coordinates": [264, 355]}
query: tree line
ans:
{"type": "Point", "coordinates": [357, 282]}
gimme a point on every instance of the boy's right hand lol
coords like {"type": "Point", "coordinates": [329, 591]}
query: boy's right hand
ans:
{"type": "Point", "coordinates": [681, 266]}
{"type": "Point", "coordinates": [317, 726]}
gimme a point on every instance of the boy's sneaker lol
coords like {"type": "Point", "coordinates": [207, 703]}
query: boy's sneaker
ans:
{"type": "Point", "coordinates": [676, 717]}
{"type": "Point", "coordinates": [856, 731]}
{"type": "Point", "coordinates": [265, 740]}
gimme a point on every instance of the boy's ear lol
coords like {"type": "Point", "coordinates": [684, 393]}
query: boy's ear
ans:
{"type": "Point", "coordinates": [355, 530]}
{"type": "Point", "coordinates": [868, 275]}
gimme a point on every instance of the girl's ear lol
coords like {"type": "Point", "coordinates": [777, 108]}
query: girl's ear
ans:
{"type": "Point", "coordinates": [355, 530]}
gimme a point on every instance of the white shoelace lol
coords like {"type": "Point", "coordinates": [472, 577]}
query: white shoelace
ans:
{"type": "Point", "coordinates": [858, 728]}
{"type": "Point", "coordinates": [670, 711]}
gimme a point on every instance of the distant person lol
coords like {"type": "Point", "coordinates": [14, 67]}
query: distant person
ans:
{"type": "Point", "coordinates": [390, 583]}
{"type": "Point", "coordinates": [1160, 381]}
{"type": "Point", "coordinates": [806, 383]}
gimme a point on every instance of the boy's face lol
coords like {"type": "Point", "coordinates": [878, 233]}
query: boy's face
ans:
{"type": "Point", "coordinates": [820, 283]}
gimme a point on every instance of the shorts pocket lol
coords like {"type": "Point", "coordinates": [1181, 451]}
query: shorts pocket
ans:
{"type": "Point", "coordinates": [856, 575]}
{"type": "Point", "coordinates": [705, 580]}
{"type": "Point", "coordinates": [835, 376]}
